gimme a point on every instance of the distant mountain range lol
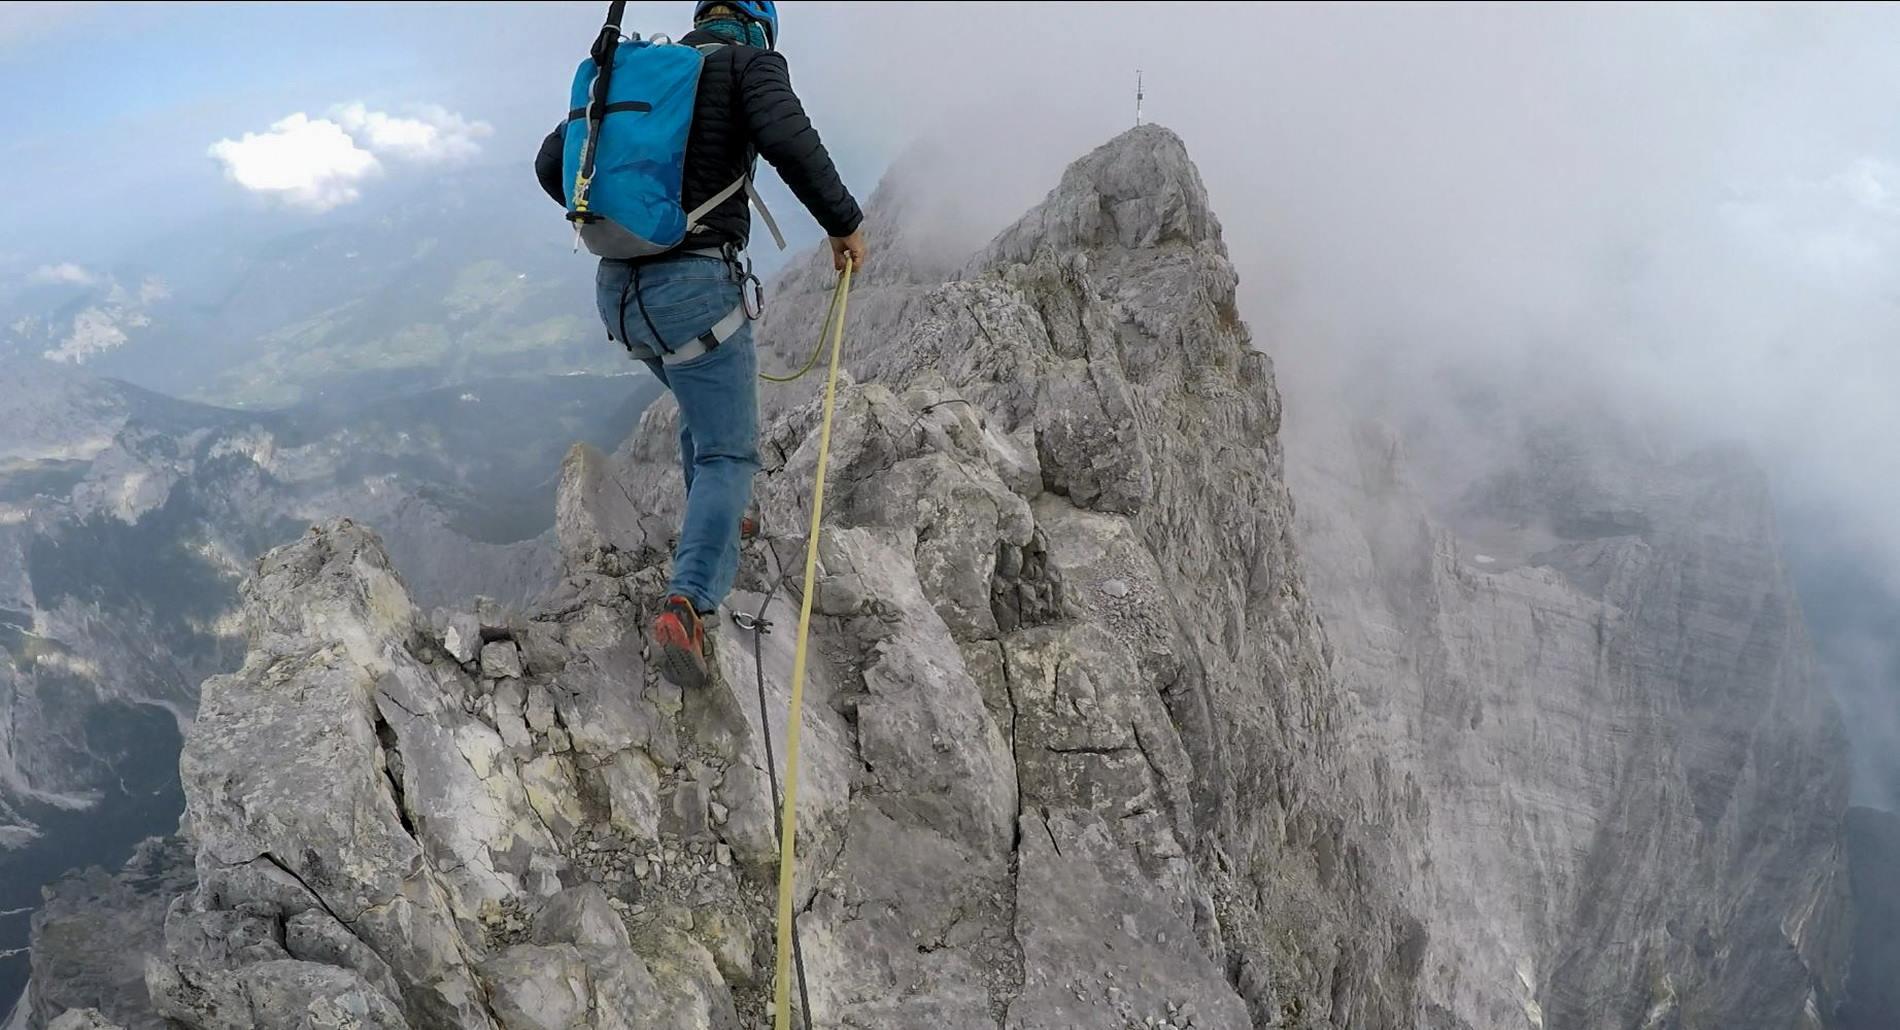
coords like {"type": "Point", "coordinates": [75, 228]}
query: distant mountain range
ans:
{"type": "Point", "coordinates": [470, 278]}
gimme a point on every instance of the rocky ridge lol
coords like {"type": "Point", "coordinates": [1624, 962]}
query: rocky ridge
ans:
{"type": "Point", "coordinates": [1042, 787]}
{"type": "Point", "coordinates": [1076, 750]}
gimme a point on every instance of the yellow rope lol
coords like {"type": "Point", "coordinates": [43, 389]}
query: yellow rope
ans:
{"type": "Point", "coordinates": [817, 348]}
{"type": "Point", "coordinates": [782, 993]}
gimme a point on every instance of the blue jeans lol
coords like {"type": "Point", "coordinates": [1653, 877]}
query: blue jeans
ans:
{"type": "Point", "coordinates": [718, 398]}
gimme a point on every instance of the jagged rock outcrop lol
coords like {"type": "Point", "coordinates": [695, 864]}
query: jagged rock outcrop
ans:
{"type": "Point", "coordinates": [127, 522]}
{"type": "Point", "coordinates": [1076, 751]}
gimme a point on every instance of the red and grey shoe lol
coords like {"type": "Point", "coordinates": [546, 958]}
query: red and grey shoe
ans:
{"type": "Point", "coordinates": [748, 528]}
{"type": "Point", "coordinates": [679, 644]}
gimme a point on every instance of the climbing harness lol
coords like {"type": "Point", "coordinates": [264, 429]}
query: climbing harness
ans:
{"type": "Point", "coordinates": [785, 816]}
{"type": "Point", "coordinates": [750, 306]}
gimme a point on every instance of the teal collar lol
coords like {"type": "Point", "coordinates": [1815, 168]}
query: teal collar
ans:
{"type": "Point", "coordinates": [748, 33]}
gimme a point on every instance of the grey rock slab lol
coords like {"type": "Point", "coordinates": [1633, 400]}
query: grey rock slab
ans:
{"type": "Point", "coordinates": [579, 915]}
{"type": "Point", "coordinates": [911, 926]}
{"type": "Point", "coordinates": [543, 650]}
{"type": "Point", "coordinates": [462, 637]}
{"type": "Point", "coordinates": [313, 936]}
{"type": "Point", "coordinates": [1090, 921]}
{"type": "Point", "coordinates": [940, 746]}
{"type": "Point", "coordinates": [511, 699]}
{"type": "Point", "coordinates": [552, 795]}
{"type": "Point", "coordinates": [692, 993]}
{"type": "Point", "coordinates": [596, 514]}
{"type": "Point", "coordinates": [536, 987]}
{"type": "Point", "coordinates": [599, 702]}
{"type": "Point", "coordinates": [501, 660]}
{"type": "Point", "coordinates": [280, 995]}
{"type": "Point", "coordinates": [570, 987]}
{"type": "Point", "coordinates": [1091, 735]}
{"type": "Point", "coordinates": [285, 764]}
{"type": "Point", "coordinates": [223, 938]}
{"type": "Point", "coordinates": [826, 765]}
{"type": "Point", "coordinates": [633, 795]}
{"type": "Point", "coordinates": [539, 710]}
{"type": "Point", "coordinates": [466, 799]}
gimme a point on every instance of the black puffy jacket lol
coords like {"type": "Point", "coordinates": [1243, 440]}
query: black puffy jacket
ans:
{"type": "Point", "coordinates": [745, 108]}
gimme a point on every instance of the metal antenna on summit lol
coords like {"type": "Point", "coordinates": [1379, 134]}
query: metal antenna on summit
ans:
{"type": "Point", "coordinates": [1138, 96]}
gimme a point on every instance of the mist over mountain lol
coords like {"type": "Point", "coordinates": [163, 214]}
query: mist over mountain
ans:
{"type": "Point", "coordinates": [1854, 612]}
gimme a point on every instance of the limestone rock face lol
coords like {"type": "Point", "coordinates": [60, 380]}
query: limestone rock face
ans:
{"type": "Point", "coordinates": [1074, 752]}
{"type": "Point", "coordinates": [1595, 662]}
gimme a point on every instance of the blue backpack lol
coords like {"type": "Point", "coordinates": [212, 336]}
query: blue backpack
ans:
{"type": "Point", "coordinates": [625, 162]}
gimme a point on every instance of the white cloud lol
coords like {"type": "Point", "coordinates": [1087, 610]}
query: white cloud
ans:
{"type": "Point", "coordinates": [310, 164]}
{"type": "Point", "coordinates": [95, 332]}
{"type": "Point", "coordinates": [64, 272]}
{"type": "Point", "coordinates": [1873, 184]}
{"type": "Point", "coordinates": [435, 134]}
{"type": "Point", "coordinates": [319, 163]}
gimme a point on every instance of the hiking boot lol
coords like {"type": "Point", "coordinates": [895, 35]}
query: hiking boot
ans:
{"type": "Point", "coordinates": [679, 644]}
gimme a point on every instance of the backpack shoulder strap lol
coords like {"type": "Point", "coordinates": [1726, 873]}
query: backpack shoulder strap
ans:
{"type": "Point", "coordinates": [693, 216]}
{"type": "Point", "coordinates": [765, 213]}
{"type": "Point", "coordinates": [752, 194]}
{"type": "Point", "coordinates": [744, 182]}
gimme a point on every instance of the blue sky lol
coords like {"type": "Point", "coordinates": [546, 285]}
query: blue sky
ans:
{"type": "Point", "coordinates": [111, 109]}
{"type": "Point", "coordinates": [170, 80]}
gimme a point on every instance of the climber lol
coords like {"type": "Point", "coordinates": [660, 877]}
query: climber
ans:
{"type": "Point", "coordinates": [666, 307]}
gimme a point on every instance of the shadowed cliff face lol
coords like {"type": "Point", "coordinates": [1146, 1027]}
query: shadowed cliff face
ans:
{"type": "Point", "coordinates": [1076, 751]}
{"type": "Point", "coordinates": [1873, 856]}
{"type": "Point", "coordinates": [1596, 659]}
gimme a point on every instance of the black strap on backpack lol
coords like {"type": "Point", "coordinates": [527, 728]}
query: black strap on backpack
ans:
{"type": "Point", "coordinates": [603, 54]}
